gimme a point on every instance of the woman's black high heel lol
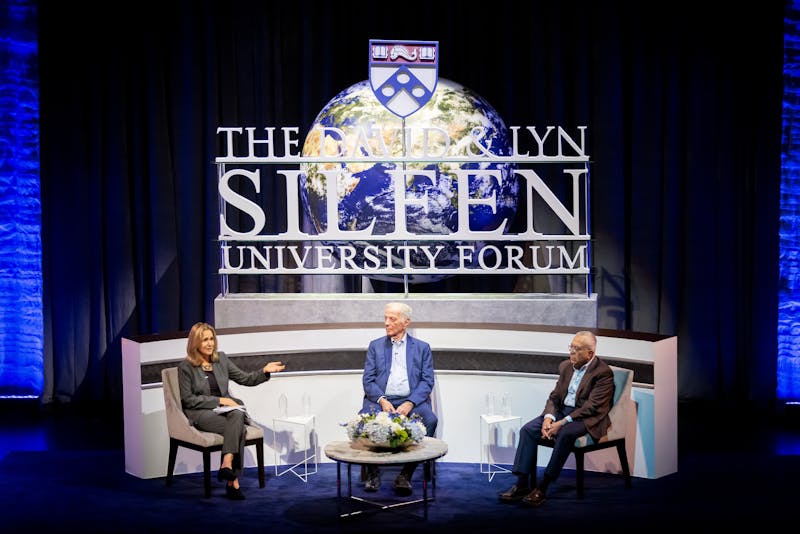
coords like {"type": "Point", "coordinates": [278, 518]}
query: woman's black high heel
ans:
{"type": "Point", "coordinates": [226, 473]}
{"type": "Point", "coordinates": [234, 494]}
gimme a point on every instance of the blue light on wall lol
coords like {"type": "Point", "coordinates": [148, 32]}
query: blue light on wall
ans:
{"type": "Point", "coordinates": [789, 290]}
{"type": "Point", "coordinates": [21, 323]}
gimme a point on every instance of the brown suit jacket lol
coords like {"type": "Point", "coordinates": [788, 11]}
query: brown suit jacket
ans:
{"type": "Point", "coordinates": [592, 400]}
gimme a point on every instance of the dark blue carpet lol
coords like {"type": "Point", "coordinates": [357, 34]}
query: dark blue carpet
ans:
{"type": "Point", "coordinates": [66, 479]}
{"type": "Point", "coordinates": [89, 492]}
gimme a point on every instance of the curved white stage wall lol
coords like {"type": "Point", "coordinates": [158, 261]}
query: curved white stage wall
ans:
{"type": "Point", "coordinates": [473, 356]}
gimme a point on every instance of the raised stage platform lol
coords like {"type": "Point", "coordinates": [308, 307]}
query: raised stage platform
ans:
{"type": "Point", "coordinates": [481, 345]}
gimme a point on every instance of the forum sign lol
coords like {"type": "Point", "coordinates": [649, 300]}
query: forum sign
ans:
{"type": "Point", "coordinates": [404, 175]}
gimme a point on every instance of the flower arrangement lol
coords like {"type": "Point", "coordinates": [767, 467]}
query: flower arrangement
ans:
{"type": "Point", "coordinates": [386, 430]}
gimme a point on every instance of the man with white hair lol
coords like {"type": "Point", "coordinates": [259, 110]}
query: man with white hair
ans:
{"type": "Point", "coordinates": [398, 377]}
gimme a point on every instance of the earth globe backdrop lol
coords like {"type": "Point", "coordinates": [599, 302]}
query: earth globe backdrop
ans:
{"type": "Point", "coordinates": [365, 190]}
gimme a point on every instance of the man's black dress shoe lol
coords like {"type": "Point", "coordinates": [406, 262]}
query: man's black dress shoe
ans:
{"type": "Point", "coordinates": [226, 473]}
{"type": "Point", "coordinates": [234, 494]}
{"type": "Point", "coordinates": [534, 498]}
{"type": "Point", "coordinates": [514, 493]}
{"type": "Point", "coordinates": [402, 485]}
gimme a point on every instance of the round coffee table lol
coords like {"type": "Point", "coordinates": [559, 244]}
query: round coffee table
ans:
{"type": "Point", "coordinates": [349, 453]}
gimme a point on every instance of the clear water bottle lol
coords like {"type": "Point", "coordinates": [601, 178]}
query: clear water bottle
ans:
{"type": "Point", "coordinates": [283, 405]}
{"type": "Point", "coordinates": [505, 404]}
{"type": "Point", "coordinates": [489, 409]}
{"type": "Point", "coordinates": [306, 404]}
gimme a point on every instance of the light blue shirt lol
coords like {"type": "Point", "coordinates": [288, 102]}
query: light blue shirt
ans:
{"type": "Point", "coordinates": [574, 383]}
{"type": "Point", "coordinates": [397, 385]}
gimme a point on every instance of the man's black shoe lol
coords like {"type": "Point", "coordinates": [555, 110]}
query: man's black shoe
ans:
{"type": "Point", "coordinates": [514, 493]}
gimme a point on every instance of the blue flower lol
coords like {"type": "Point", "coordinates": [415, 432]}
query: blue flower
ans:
{"type": "Point", "coordinates": [385, 429]}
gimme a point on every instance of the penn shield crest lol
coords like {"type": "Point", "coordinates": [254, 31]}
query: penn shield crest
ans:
{"type": "Point", "coordinates": [403, 74]}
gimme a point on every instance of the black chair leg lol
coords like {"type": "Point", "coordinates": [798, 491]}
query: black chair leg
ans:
{"type": "Point", "coordinates": [580, 463]}
{"type": "Point", "coordinates": [260, 460]}
{"type": "Point", "coordinates": [579, 472]}
{"type": "Point", "coordinates": [207, 472]}
{"type": "Point", "coordinates": [174, 444]}
{"type": "Point", "coordinates": [623, 461]}
{"type": "Point", "coordinates": [173, 454]}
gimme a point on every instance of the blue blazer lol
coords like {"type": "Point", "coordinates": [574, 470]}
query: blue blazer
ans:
{"type": "Point", "coordinates": [419, 363]}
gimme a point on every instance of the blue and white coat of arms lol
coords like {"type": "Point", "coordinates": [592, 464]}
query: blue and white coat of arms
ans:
{"type": "Point", "coordinates": [403, 74]}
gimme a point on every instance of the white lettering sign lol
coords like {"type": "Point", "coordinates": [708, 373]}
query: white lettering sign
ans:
{"type": "Point", "coordinates": [246, 248]}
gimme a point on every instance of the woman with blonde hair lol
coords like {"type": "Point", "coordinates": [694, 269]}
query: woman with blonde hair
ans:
{"type": "Point", "coordinates": [203, 377]}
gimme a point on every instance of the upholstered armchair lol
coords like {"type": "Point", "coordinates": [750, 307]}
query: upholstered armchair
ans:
{"type": "Point", "coordinates": [183, 434]}
{"type": "Point", "coordinates": [622, 409]}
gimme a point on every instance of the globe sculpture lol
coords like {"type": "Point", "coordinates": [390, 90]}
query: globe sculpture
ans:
{"type": "Point", "coordinates": [366, 190]}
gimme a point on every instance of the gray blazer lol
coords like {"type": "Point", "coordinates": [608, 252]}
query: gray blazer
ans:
{"type": "Point", "coordinates": [196, 393]}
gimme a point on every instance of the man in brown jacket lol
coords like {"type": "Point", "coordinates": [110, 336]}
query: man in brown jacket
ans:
{"type": "Point", "coordinates": [578, 404]}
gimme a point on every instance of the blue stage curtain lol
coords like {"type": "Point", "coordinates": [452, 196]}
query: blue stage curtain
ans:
{"type": "Point", "coordinates": [682, 106]}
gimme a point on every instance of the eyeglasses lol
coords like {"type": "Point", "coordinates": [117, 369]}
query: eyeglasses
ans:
{"type": "Point", "coordinates": [573, 348]}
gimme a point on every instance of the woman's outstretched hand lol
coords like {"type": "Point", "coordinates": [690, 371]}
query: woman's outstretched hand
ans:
{"type": "Point", "coordinates": [274, 367]}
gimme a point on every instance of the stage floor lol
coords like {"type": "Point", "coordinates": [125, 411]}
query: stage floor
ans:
{"type": "Point", "coordinates": [63, 467]}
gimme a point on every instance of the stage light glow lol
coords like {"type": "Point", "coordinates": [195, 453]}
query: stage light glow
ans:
{"type": "Point", "coordinates": [21, 323]}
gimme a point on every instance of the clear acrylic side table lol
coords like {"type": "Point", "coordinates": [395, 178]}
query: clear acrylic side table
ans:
{"type": "Point", "coordinates": [301, 426]}
{"type": "Point", "coordinates": [499, 433]}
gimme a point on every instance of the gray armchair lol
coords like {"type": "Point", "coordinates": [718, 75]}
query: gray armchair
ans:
{"type": "Point", "coordinates": [183, 434]}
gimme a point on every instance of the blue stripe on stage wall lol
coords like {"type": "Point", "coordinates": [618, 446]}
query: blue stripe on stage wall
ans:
{"type": "Point", "coordinates": [21, 324]}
